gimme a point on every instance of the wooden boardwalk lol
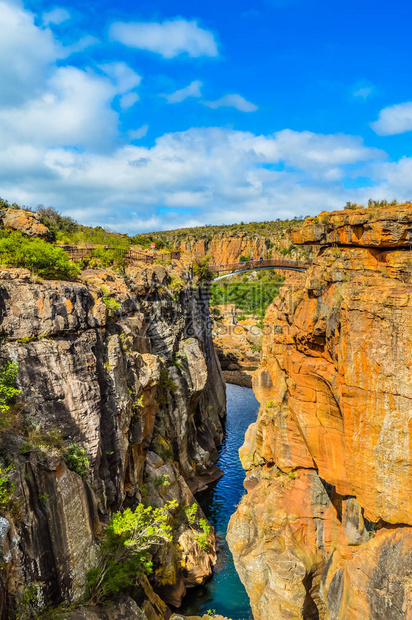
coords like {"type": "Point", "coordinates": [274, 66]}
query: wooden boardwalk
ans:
{"type": "Point", "coordinates": [129, 255]}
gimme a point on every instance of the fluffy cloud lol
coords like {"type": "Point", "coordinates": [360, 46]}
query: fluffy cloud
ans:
{"type": "Point", "coordinates": [74, 110]}
{"type": "Point", "coordinates": [193, 90]}
{"type": "Point", "coordinates": [192, 177]}
{"type": "Point", "coordinates": [232, 101]}
{"type": "Point", "coordinates": [60, 143]}
{"type": "Point", "coordinates": [28, 54]}
{"type": "Point", "coordinates": [138, 134]}
{"type": "Point", "coordinates": [169, 38]}
{"type": "Point", "coordinates": [394, 119]}
{"type": "Point", "coordinates": [56, 16]}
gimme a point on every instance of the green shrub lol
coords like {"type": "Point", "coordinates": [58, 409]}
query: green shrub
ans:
{"type": "Point", "coordinates": [44, 440]}
{"type": "Point", "coordinates": [203, 538]}
{"type": "Point", "coordinates": [245, 258]}
{"type": "Point", "coordinates": [177, 286]}
{"type": "Point", "coordinates": [76, 459]}
{"type": "Point", "coordinates": [125, 550]}
{"type": "Point", "coordinates": [6, 487]}
{"type": "Point", "coordinates": [162, 481]}
{"type": "Point", "coordinates": [56, 222]}
{"type": "Point", "coordinates": [201, 269]}
{"type": "Point", "coordinates": [190, 512]}
{"type": "Point", "coordinates": [111, 303]}
{"type": "Point", "coordinates": [8, 390]}
{"type": "Point", "coordinates": [110, 257]}
{"type": "Point", "coordinates": [37, 255]}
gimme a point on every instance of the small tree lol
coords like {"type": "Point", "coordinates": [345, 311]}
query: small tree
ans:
{"type": "Point", "coordinates": [76, 459]}
{"type": "Point", "coordinates": [8, 390]}
{"type": "Point", "coordinates": [201, 269]}
{"type": "Point", "coordinates": [125, 550]}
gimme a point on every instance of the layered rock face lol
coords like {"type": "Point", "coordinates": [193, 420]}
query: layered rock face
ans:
{"type": "Point", "coordinates": [125, 369]}
{"type": "Point", "coordinates": [325, 529]}
{"type": "Point", "coordinates": [238, 343]}
{"type": "Point", "coordinates": [227, 247]}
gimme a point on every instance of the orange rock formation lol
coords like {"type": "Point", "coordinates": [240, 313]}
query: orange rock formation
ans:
{"type": "Point", "coordinates": [324, 531]}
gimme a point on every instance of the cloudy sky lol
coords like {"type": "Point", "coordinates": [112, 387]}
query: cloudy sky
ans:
{"type": "Point", "coordinates": [154, 114]}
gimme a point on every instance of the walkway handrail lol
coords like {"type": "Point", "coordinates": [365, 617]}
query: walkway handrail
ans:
{"type": "Point", "coordinates": [278, 263]}
{"type": "Point", "coordinates": [79, 252]}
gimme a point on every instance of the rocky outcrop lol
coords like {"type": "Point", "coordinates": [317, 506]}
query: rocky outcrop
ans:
{"type": "Point", "coordinates": [374, 227]}
{"type": "Point", "coordinates": [238, 343]}
{"type": "Point", "coordinates": [324, 531]}
{"type": "Point", "coordinates": [125, 369]}
{"type": "Point", "coordinates": [26, 222]}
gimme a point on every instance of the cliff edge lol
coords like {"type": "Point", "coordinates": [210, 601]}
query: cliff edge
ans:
{"type": "Point", "coordinates": [122, 401]}
{"type": "Point", "coordinates": [325, 528]}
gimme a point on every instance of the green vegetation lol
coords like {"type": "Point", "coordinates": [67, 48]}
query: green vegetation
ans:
{"type": "Point", "coordinates": [56, 222]}
{"type": "Point", "coordinates": [8, 390]}
{"type": "Point", "coordinates": [177, 286]}
{"type": "Point", "coordinates": [201, 269]}
{"type": "Point", "coordinates": [165, 386]}
{"type": "Point", "coordinates": [6, 205]}
{"type": "Point", "coordinates": [76, 459]}
{"type": "Point", "coordinates": [162, 481]}
{"type": "Point", "coordinates": [190, 512]}
{"type": "Point", "coordinates": [6, 487]}
{"type": "Point", "coordinates": [173, 238]}
{"type": "Point", "coordinates": [372, 204]}
{"type": "Point", "coordinates": [40, 257]}
{"type": "Point", "coordinates": [250, 296]}
{"type": "Point", "coordinates": [111, 303]}
{"type": "Point", "coordinates": [203, 538]}
{"type": "Point", "coordinates": [126, 549]}
{"type": "Point", "coordinates": [111, 257]}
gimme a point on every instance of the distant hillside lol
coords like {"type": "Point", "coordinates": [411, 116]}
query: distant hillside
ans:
{"type": "Point", "coordinates": [228, 243]}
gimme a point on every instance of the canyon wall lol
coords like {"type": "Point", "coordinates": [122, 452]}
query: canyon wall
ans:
{"type": "Point", "coordinates": [325, 528]}
{"type": "Point", "coordinates": [125, 368]}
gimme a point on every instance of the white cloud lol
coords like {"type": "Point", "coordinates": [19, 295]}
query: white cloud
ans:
{"type": "Point", "coordinates": [60, 144]}
{"type": "Point", "coordinates": [56, 16]}
{"type": "Point", "coordinates": [122, 75]}
{"type": "Point", "coordinates": [169, 38]}
{"type": "Point", "coordinates": [193, 90]}
{"type": "Point", "coordinates": [232, 101]}
{"type": "Point", "coordinates": [394, 119]}
{"type": "Point", "coordinates": [197, 176]}
{"type": "Point", "coordinates": [80, 45]}
{"type": "Point", "coordinates": [128, 100]}
{"type": "Point", "coordinates": [363, 93]}
{"type": "Point", "coordinates": [137, 134]}
{"type": "Point", "coordinates": [27, 54]}
{"type": "Point", "coordinates": [74, 109]}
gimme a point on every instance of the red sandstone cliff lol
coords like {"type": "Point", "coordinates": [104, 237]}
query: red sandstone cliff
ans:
{"type": "Point", "coordinates": [325, 529]}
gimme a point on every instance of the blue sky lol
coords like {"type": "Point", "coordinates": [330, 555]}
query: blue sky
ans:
{"type": "Point", "coordinates": [152, 115]}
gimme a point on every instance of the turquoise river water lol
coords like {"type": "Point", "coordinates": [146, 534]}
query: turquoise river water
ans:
{"type": "Point", "coordinates": [225, 592]}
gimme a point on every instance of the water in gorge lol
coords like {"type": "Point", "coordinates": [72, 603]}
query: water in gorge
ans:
{"type": "Point", "coordinates": [225, 592]}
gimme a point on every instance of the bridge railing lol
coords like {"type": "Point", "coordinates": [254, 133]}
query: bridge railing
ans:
{"type": "Point", "coordinates": [254, 264]}
{"type": "Point", "coordinates": [79, 253]}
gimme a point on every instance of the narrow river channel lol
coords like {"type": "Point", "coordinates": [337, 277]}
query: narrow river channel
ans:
{"type": "Point", "coordinates": [225, 592]}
